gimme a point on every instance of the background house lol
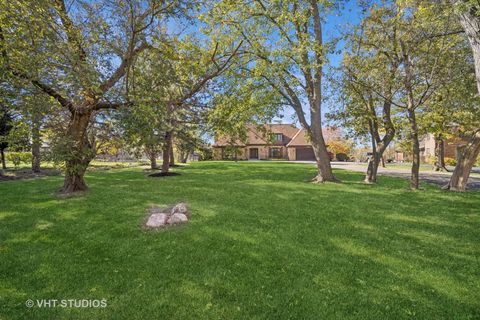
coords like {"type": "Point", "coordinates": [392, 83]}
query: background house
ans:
{"type": "Point", "coordinates": [451, 147]}
{"type": "Point", "coordinates": [269, 141]}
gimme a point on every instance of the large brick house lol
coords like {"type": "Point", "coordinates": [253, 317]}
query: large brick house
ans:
{"type": "Point", "coordinates": [427, 149]}
{"type": "Point", "coordinates": [269, 141]}
{"type": "Point", "coordinates": [452, 146]}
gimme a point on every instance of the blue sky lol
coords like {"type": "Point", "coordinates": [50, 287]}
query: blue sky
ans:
{"type": "Point", "coordinates": [335, 24]}
{"type": "Point", "coordinates": [338, 23]}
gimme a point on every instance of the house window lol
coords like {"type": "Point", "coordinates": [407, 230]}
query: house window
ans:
{"type": "Point", "coordinates": [275, 153]}
{"type": "Point", "coordinates": [278, 137]}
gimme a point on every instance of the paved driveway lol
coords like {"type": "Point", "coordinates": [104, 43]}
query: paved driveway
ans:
{"type": "Point", "coordinates": [439, 178]}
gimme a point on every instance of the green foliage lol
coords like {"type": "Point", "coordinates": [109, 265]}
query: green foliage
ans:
{"type": "Point", "coordinates": [283, 54]}
{"type": "Point", "coordinates": [232, 152]}
{"type": "Point", "coordinates": [431, 160]}
{"type": "Point", "coordinates": [18, 138]}
{"type": "Point", "coordinates": [205, 153]}
{"type": "Point", "coordinates": [373, 72]}
{"type": "Point", "coordinates": [5, 126]}
{"type": "Point", "coordinates": [19, 157]}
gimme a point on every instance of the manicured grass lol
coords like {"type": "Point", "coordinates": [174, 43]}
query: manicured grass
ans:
{"type": "Point", "coordinates": [93, 164]}
{"type": "Point", "coordinates": [262, 244]}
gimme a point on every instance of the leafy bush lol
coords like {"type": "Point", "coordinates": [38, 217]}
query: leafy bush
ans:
{"type": "Point", "coordinates": [205, 153]}
{"type": "Point", "coordinates": [19, 157]}
{"type": "Point", "coordinates": [430, 160]}
{"type": "Point", "coordinates": [338, 147]}
{"type": "Point", "coordinates": [341, 157]}
{"type": "Point", "coordinates": [450, 161]}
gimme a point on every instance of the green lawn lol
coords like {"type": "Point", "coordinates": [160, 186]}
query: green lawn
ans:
{"type": "Point", "coordinates": [262, 244]}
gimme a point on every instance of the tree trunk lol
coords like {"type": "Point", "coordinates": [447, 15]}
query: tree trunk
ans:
{"type": "Point", "coordinates": [322, 157]}
{"type": "Point", "coordinates": [470, 22]}
{"type": "Point", "coordinates": [466, 160]}
{"type": "Point", "coordinates": [184, 157]}
{"type": "Point", "coordinates": [172, 156]}
{"type": "Point", "coordinates": [79, 152]}
{"type": "Point", "coordinates": [36, 143]}
{"type": "Point", "coordinates": [166, 152]}
{"type": "Point", "coordinates": [324, 169]}
{"type": "Point", "coordinates": [408, 83]}
{"type": "Point", "coordinates": [4, 164]}
{"type": "Point", "coordinates": [376, 159]}
{"type": "Point", "coordinates": [439, 164]}
{"type": "Point", "coordinates": [372, 167]}
{"type": "Point", "coordinates": [415, 176]}
{"type": "Point", "coordinates": [153, 160]}
{"type": "Point", "coordinates": [379, 145]}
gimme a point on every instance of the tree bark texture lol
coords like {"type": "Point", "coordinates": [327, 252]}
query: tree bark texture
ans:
{"type": "Point", "coordinates": [36, 157]}
{"type": "Point", "coordinates": [379, 145]}
{"type": "Point", "coordinates": [470, 21]}
{"type": "Point", "coordinates": [319, 146]}
{"type": "Point", "coordinates": [166, 152]}
{"type": "Point", "coordinates": [415, 176]}
{"type": "Point", "coordinates": [465, 162]}
{"type": "Point", "coordinates": [439, 164]}
{"type": "Point", "coordinates": [79, 152]}
{"type": "Point", "coordinates": [172, 155]}
{"type": "Point", "coordinates": [153, 160]}
{"type": "Point", "coordinates": [408, 84]}
{"type": "Point", "coordinates": [4, 164]}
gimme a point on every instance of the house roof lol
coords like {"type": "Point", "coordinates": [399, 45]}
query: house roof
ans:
{"type": "Point", "coordinates": [301, 138]}
{"type": "Point", "coordinates": [292, 136]}
{"type": "Point", "coordinates": [259, 135]}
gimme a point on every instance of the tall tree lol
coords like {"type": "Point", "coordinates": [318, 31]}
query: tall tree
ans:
{"type": "Point", "coordinates": [33, 105]}
{"type": "Point", "coordinates": [419, 38]}
{"type": "Point", "coordinates": [369, 83]}
{"type": "Point", "coordinates": [5, 127]}
{"type": "Point", "coordinates": [195, 65]}
{"type": "Point", "coordinates": [288, 53]}
{"type": "Point", "coordinates": [144, 125]}
{"type": "Point", "coordinates": [468, 12]}
{"type": "Point", "coordinates": [78, 54]}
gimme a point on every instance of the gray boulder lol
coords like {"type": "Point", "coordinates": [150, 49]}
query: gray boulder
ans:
{"type": "Point", "coordinates": [157, 220]}
{"type": "Point", "coordinates": [177, 218]}
{"type": "Point", "coordinates": [180, 208]}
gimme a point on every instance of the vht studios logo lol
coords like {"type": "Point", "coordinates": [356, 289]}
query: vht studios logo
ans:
{"type": "Point", "coordinates": [66, 303]}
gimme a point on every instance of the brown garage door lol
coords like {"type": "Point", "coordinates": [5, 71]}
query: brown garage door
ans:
{"type": "Point", "coordinates": [305, 153]}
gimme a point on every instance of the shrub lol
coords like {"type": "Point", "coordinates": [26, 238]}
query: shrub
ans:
{"type": "Point", "coordinates": [430, 160]}
{"type": "Point", "coordinates": [450, 162]}
{"type": "Point", "coordinates": [341, 157]}
{"type": "Point", "coordinates": [19, 157]}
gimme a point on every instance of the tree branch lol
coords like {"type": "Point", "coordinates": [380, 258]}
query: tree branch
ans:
{"type": "Point", "coordinates": [71, 30]}
{"type": "Point", "coordinates": [64, 102]}
{"type": "Point", "coordinates": [122, 68]}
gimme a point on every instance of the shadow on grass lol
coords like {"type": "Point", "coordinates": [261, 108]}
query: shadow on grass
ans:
{"type": "Point", "coordinates": [261, 244]}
